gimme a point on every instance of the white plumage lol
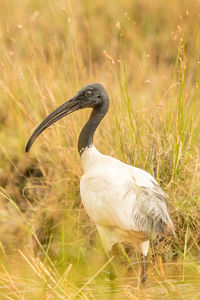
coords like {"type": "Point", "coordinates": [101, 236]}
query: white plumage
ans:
{"type": "Point", "coordinates": [126, 203]}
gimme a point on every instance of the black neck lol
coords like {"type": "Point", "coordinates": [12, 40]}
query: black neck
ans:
{"type": "Point", "coordinates": [86, 136]}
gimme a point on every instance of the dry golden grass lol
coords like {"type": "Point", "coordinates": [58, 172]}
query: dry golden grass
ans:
{"type": "Point", "coordinates": [146, 54]}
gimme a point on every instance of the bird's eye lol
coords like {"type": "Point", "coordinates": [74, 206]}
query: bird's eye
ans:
{"type": "Point", "coordinates": [88, 93]}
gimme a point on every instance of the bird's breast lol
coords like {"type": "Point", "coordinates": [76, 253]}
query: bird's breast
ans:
{"type": "Point", "coordinates": [103, 193]}
{"type": "Point", "coordinates": [102, 187]}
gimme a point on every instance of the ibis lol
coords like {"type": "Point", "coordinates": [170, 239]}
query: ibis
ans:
{"type": "Point", "coordinates": [126, 203]}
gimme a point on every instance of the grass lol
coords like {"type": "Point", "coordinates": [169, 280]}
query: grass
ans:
{"type": "Point", "coordinates": [146, 54]}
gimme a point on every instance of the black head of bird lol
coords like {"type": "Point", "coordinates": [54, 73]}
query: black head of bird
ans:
{"type": "Point", "coordinates": [91, 96]}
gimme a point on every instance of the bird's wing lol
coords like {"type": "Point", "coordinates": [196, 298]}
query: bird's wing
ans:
{"type": "Point", "coordinates": [149, 211]}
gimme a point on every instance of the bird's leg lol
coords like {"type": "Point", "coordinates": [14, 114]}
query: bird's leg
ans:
{"type": "Point", "coordinates": [106, 234]}
{"type": "Point", "coordinates": [112, 273]}
{"type": "Point", "coordinates": [111, 269]}
{"type": "Point", "coordinates": [143, 276]}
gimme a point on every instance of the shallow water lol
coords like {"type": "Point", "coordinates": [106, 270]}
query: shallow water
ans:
{"type": "Point", "coordinates": [175, 283]}
{"type": "Point", "coordinates": [170, 289]}
{"type": "Point", "coordinates": [31, 279]}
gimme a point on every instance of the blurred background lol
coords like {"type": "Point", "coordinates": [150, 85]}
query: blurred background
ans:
{"type": "Point", "coordinates": [147, 55]}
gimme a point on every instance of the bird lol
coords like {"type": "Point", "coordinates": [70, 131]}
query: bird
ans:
{"type": "Point", "coordinates": [126, 203]}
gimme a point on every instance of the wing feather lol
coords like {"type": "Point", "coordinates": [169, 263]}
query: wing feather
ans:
{"type": "Point", "coordinates": [150, 212]}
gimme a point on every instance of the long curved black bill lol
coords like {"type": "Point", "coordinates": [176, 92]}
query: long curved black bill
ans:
{"type": "Point", "coordinates": [63, 110]}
